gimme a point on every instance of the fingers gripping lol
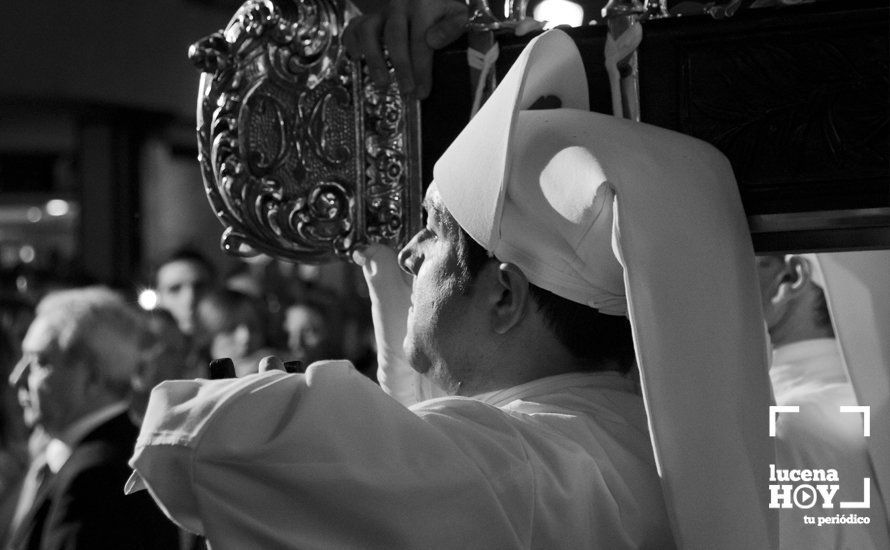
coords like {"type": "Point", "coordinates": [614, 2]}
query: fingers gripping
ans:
{"type": "Point", "coordinates": [396, 36]}
{"type": "Point", "coordinates": [362, 39]}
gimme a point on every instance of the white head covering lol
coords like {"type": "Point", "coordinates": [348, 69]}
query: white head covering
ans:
{"type": "Point", "coordinates": [571, 197]}
{"type": "Point", "coordinates": [857, 290]}
{"type": "Point", "coordinates": [532, 201]}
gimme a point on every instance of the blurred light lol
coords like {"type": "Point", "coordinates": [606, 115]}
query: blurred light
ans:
{"type": "Point", "coordinates": [27, 254]}
{"type": "Point", "coordinates": [34, 214]}
{"type": "Point", "coordinates": [21, 283]}
{"type": "Point", "coordinates": [307, 272]}
{"type": "Point", "coordinates": [559, 12]}
{"type": "Point", "coordinates": [57, 207]}
{"type": "Point", "coordinates": [148, 299]}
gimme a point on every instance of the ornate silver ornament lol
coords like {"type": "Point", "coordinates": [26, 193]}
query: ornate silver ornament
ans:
{"type": "Point", "coordinates": [302, 157]}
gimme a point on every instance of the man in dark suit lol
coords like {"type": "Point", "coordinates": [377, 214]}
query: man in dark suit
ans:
{"type": "Point", "coordinates": [80, 357]}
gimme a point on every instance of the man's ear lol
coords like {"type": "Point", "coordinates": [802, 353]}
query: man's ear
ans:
{"type": "Point", "coordinates": [511, 301]}
{"type": "Point", "coordinates": [795, 276]}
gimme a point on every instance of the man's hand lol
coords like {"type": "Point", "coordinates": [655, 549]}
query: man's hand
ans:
{"type": "Point", "coordinates": [410, 30]}
{"type": "Point", "coordinates": [271, 362]}
{"type": "Point", "coordinates": [390, 292]}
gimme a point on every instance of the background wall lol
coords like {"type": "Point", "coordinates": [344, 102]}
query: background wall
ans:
{"type": "Point", "coordinates": [174, 207]}
{"type": "Point", "coordinates": [97, 107]}
{"type": "Point", "coordinates": [131, 53]}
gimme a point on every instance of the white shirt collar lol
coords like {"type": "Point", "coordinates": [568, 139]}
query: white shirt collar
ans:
{"type": "Point", "coordinates": [804, 350]}
{"type": "Point", "coordinates": [802, 367]}
{"type": "Point", "coordinates": [551, 384]}
{"type": "Point", "coordinates": [59, 449]}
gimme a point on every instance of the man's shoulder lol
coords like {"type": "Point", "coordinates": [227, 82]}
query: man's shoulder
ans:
{"type": "Point", "coordinates": [564, 398]}
{"type": "Point", "coordinates": [581, 414]}
{"type": "Point", "coordinates": [117, 430]}
{"type": "Point", "coordinates": [573, 445]}
{"type": "Point", "coordinates": [108, 444]}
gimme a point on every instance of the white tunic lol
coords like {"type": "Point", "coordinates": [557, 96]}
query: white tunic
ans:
{"type": "Point", "coordinates": [328, 460]}
{"type": "Point", "coordinates": [810, 374]}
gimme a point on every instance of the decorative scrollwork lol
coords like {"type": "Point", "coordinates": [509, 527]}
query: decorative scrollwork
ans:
{"type": "Point", "coordinates": [302, 157]}
{"type": "Point", "coordinates": [318, 130]}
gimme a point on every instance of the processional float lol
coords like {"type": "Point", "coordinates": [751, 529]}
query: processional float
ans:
{"type": "Point", "coordinates": [302, 156]}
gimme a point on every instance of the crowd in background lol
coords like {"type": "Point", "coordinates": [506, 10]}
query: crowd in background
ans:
{"type": "Point", "coordinates": [252, 311]}
{"type": "Point", "coordinates": [197, 315]}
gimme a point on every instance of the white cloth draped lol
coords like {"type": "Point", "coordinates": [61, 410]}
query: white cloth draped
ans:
{"type": "Point", "coordinates": [327, 460]}
{"type": "Point", "coordinates": [857, 288]}
{"type": "Point", "coordinates": [809, 374]}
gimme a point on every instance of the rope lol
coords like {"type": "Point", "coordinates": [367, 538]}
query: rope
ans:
{"type": "Point", "coordinates": [483, 63]}
{"type": "Point", "coordinates": [615, 52]}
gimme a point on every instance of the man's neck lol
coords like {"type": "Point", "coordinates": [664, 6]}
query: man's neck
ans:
{"type": "Point", "coordinates": [801, 323]}
{"type": "Point", "coordinates": [797, 328]}
{"type": "Point", "coordinates": [518, 362]}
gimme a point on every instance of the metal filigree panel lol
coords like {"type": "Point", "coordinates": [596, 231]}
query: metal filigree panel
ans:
{"type": "Point", "coordinates": [303, 158]}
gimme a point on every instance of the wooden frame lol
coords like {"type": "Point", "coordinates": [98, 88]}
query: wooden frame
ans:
{"type": "Point", "coordinates": [798, 98]}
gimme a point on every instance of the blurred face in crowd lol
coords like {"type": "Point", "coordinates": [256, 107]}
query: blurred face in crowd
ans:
{"type": "Point", "coordinates": [53, 391]}
{"type": "Point", "coordinates": [307, 334]}
{"type": "Point", "coordinates": [231, 324]}
{"type": "Point", "coordinates": [443, 321]}
{"type": "Point", "coordinates": [232, 344]}
{"type": "Point", "coordinates": [180, 286]}
{"type": "Point", "coordinates": [168, 357]}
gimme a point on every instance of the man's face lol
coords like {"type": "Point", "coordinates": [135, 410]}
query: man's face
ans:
{"type": "Point", "coordinates": [444, 318]}
{"type": "Point", "coordinates": [181, 284]}
{"type": "Point", "coordinates": [53, 393]}
{"type": "Point", "coordinates": [307, 334]}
